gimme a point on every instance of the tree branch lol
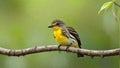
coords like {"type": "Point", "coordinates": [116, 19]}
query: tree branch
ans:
{"type": "Point", "coordinates": [39, 49]}
{"type": "Point", "coordinates": [116, 4]}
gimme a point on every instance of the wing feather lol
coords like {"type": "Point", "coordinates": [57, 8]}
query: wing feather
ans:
{"type": "Point", "coordinates": [75, 34]}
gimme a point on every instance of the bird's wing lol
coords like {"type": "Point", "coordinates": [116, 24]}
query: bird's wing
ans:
{"type": "Point", "coordinates": [65, 33]}
{"type": "Point", "coordinates": [75, 34]}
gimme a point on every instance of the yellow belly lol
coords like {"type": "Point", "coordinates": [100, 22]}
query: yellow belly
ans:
{"type": "Point", "coordinates": [60, 38]}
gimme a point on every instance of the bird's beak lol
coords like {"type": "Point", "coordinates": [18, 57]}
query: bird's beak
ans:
{"type": "Point", "coordinates": [50, 26]}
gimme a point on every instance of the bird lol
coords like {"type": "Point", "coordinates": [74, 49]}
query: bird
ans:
{"type": "Point", "coordinates": [65, 35]}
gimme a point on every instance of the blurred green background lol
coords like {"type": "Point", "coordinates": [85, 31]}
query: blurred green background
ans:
{"type": "Point", "coordinates": [23, 24]}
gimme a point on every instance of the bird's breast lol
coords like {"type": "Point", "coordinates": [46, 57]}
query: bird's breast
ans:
{"type": "Point", "coordinates": [59, 36]}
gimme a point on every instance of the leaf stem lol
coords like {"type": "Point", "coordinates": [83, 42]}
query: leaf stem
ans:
{"type": "Point", "coordinates": [116, 4]}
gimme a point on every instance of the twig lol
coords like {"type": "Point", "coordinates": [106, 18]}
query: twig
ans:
{"type": "Point", "coordinates": [116, 4]}
{"type": "Point", "coordinates": [39, 49]}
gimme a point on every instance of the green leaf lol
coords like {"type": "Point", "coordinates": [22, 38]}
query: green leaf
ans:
{"type": "Point", "coordinates": [113, 0]}
{"type": "Point", "coordinates": [105, 6]}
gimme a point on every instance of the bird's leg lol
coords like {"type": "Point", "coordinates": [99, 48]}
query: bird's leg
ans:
{"type": "Point", "coordinates": [68, 47]}
{"type": "Point", "coordinates": [59, 47]}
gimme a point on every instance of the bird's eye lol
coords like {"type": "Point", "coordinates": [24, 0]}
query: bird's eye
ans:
{"type": "Point", "coordinates": [57, 24]}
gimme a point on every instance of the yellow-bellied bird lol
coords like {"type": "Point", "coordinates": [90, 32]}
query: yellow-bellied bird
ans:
{"type": "Point", "coordinates": [65, 35]}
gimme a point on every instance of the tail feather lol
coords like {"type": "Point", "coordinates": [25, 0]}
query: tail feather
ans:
{"type": "Point", "coordinates": [80, 55]}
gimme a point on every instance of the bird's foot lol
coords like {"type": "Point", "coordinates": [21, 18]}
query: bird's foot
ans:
{"type": "Point", "coordinates": [67, 48]}
{"type": "Point", "coordinates": [59, 47]}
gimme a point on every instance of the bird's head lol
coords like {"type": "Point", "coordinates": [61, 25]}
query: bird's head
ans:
{"type": "Point", "coordinates": [56, 24]}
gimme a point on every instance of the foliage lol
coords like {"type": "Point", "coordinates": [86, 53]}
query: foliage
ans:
{"type": "Point", "coordinates": [107, 5]}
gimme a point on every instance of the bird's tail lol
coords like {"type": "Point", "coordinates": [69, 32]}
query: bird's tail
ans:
{"type": "Point", "coordinates": [80, 55]}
